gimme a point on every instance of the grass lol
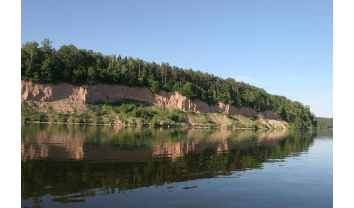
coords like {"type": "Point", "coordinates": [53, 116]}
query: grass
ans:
{"type": "Point", "coordinates": [29, 112]}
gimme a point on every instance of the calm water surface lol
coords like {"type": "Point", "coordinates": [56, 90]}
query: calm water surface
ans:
{"type": "Point", "coordinates": [100, 166]}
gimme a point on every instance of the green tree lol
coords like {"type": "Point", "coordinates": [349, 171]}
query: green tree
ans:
{"type": "Point", "coordinates": [187, 90]}
{"type": "Point", "coordinates": [92, 75]}
{"type": "Point", "coordinates": [155, 87]}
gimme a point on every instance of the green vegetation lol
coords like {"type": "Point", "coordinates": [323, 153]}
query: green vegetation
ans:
{"type": "Point", "coordinates": [136, 113]}
{"type": "Point", "coordinates": [30, 113]}
{"type": "Point", "coordinates": [152, 115]}
{"type": "Point", "coordinates": [129, 112]}
{"type": "Point", "coordinates": [83, 67]}
{"type": "Point", "coordinates": [246, 122]}
{"type": "Point", "coordinates": [324, 123]}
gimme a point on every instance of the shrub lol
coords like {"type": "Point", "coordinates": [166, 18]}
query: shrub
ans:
{"type": "Point", "coordinates": [61, 117]}
{"type": "Point", "coordinates": [238, 124]}
{"type": "Point", "coordinates": [154, 121]}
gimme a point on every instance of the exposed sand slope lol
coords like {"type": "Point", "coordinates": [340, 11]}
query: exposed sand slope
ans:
{"type": "Point", "coordinates": [220, 119]}
{"type": "Point", "coordinates": [62, 97]}
{"type": "Point", "coordinates": [277, 123]}
{"type": "Point", "coordinates": [197, 119]}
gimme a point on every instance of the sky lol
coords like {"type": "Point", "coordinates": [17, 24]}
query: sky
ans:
{"type": "Point", "coordinates": [282, 46]}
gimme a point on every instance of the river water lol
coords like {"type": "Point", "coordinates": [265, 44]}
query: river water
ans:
{"type": "Point", "coordinates": [101, 166]}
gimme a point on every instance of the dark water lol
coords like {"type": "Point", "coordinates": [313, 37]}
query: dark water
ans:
{"type": "Point", "coordinates": [95, 166]}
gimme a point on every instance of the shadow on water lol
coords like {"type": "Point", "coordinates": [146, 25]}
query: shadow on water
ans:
{"type": "Point", "coordinates": [84, 161]}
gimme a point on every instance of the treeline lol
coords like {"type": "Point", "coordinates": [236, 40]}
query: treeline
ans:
{"type": "Point", "coordinates": [79, 66]}
{"type": "Point", "coordinates": [324, 123]}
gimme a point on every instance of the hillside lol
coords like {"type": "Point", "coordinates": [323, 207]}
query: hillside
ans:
{"type": "Point", "coordinates": [324, 123]}
{"type": "Point", "coordinates": [88, 69]}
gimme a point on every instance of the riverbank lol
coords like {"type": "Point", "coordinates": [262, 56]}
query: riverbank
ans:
{"type": "Point", "coordinates": [135, 113]}
{"type": "Point", "coordinates": [148, 126]}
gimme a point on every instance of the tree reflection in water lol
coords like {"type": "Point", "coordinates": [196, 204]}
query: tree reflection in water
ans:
{"type": "Point", "coordinates": [74, 160]}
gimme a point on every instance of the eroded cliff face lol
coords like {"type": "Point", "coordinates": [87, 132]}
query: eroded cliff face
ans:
{"type": "Point", "coordinates": [66, 97]}
{"type": "Point", "coordinates": [61, 97]}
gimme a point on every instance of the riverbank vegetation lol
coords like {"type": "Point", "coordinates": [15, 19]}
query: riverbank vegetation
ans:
{"type": "Point", "coordinates": [136, 113]}
{"type": "Point", "coordinates": [324, 123]}
{"type": "Point", "coordinates": [85, 67]}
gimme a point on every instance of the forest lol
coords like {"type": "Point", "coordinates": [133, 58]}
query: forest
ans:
{"type": "Point", "coordinates": [44, 64]}
{"type": "Point", "coordinates": [324, 123]}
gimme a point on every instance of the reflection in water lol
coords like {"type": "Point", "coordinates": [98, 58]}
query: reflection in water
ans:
{"type": "Point", "coordinates": [71, 161]}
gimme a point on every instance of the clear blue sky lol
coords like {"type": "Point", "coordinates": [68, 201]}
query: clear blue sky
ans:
{"type": "Point", "coordinates": [283, 46]}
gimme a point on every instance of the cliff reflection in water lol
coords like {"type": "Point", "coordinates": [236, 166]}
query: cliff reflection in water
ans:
{"type": "Point", "coordinates": [67, 159]}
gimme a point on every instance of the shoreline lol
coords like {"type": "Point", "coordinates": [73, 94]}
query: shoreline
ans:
{"type": "Point", "coordinates": [147, 125]}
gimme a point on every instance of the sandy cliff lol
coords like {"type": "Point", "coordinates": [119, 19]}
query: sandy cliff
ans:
{"type": "Point", "coordinates": [66, 97]}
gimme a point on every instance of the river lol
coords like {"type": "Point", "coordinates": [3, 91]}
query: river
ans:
{"type": "Point", "coordinates": [101, 166]}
